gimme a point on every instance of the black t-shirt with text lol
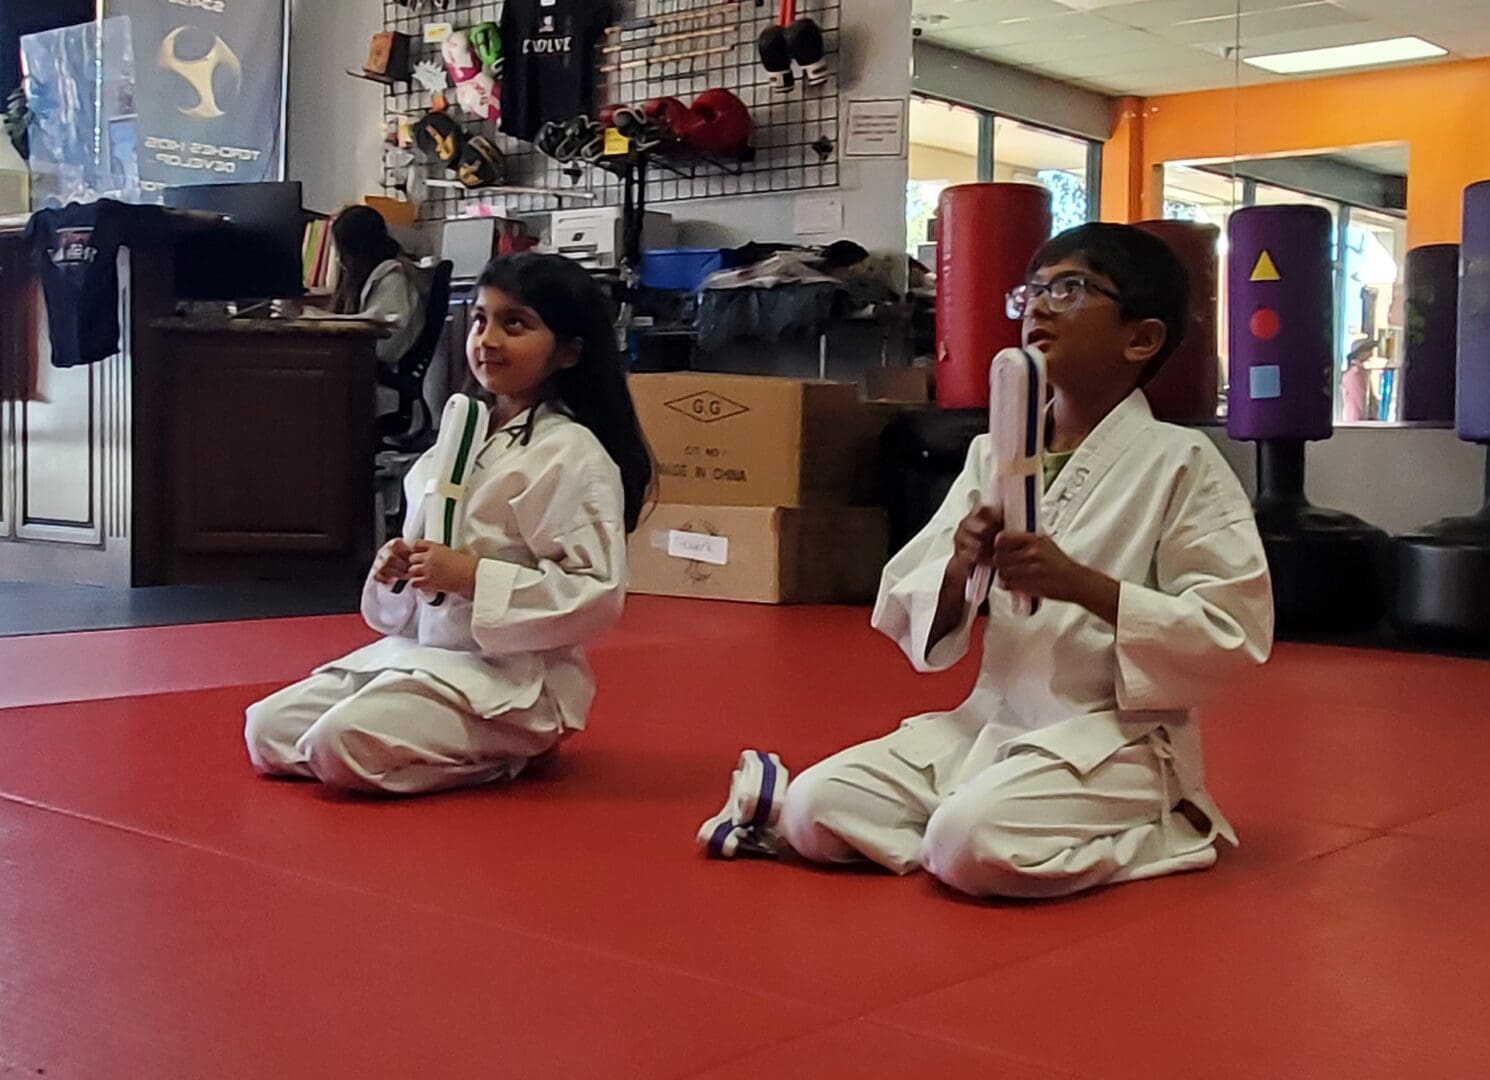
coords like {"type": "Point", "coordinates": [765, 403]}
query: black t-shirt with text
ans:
{"type": "Point", "coordinates": [548, 57]}
{"type": "Point", "coordinates": [76, 249]}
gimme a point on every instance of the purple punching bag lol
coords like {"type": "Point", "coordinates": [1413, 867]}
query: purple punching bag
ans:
{"type": "Point", "coordinates": [1432, 333]}
{"type": "Point", "coordinates": [1323, 562]}
{"type": "Point", "coordinates": [1282, 317]}
{"type": "Point", "coordinates": [1441, 573]}
{"type": "Point", "coordinates": [1473, 411]}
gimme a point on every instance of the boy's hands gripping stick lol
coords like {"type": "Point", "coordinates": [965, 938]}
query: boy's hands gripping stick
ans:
{"type": "Point", "coordinates": [1016, 455]}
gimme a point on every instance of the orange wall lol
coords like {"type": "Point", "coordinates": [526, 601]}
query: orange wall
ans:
{"type": "Point", "coordinates": [1438, 110]}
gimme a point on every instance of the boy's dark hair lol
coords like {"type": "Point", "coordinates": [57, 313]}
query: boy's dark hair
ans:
{"type": "Point", "coordinates": [594, 391]}
{"type": "Point", "coordinates": [1150, 278]}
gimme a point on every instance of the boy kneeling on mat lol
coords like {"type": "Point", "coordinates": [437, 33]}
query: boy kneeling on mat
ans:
{"type": "Point", "coordinates": [1076, 762]}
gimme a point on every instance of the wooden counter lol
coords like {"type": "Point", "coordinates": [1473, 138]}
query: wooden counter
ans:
{"type": "Point", "coordinates": [205, 450]}
{"type": "Point", "coordinates": [260, 446]}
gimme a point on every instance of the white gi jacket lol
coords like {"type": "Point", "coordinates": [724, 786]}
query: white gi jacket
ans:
{"type": "Point", "coordinates": [547, 521]}
{"type": "Point", "coordinates": [1156, 507]}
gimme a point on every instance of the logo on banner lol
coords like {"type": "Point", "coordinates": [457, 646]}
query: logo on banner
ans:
{"type": "Point", "coordinates": [201, 73]}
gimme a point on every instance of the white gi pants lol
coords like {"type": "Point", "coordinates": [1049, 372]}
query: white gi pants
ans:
{"type": "Point", "coordinates": [1028, 825]}
{"type": "Point", "coordinates": [395, 733]}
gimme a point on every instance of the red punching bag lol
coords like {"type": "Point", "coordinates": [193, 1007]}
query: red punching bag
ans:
{"type": "Point", "coordinates": [986, 236]}
{"type": "Point", "coordinates": [1188, 385]}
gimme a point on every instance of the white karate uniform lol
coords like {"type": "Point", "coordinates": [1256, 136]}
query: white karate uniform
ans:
{"type": "Point", "coordinates": [1064, 767]}
{"type": "Point", "coordinates": [470, 691]}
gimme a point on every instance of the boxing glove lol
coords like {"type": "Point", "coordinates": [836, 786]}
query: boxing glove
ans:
{"type": "Point", "coordinates": [670, 119]}
{"type": "Point", "coordinates": [634, 125]}
{"type": "Point", "coordinates": [804, 38]}
{"type": "Point", "coordinates": [486, 43]}
{"type": "Point", "coordinates": [776, 57]}
{"type": "Point", "coordinates": [440, 137]}
{"type": "Point", "coordinates": [721, 125]}
{"type": "Point", "coordinates": [584, 140]}
{"type": "Point", "coordinates": [479, 98]}
{"type": "Point", "coordinates": [460, 58]}
{"type": "Point", "coordinates": [481, 164]}
{"type": "Point", "coordinates": [550, 140]}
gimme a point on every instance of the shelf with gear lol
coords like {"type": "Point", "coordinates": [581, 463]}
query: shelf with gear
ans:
{"type": "Point", "coordinates": [691, 100]}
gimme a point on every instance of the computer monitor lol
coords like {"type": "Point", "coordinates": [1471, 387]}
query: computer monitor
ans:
{"type": "Point", "coordinates": [255, 254]}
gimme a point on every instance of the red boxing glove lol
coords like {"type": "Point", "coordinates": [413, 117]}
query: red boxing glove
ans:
{"type": "Point", "coordinates": [721, 125]}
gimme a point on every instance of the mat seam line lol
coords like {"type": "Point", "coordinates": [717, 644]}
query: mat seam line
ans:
{"type": "Point", "coordinates": [425, 908]}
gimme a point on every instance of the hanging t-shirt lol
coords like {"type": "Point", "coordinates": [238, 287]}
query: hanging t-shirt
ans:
{"type": "Point", "coordinates": [548, 66]}
{"type": "Point", "coordinates": [76, 250]}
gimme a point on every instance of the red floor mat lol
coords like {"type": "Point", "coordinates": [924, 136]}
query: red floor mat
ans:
{"type": "Point", "coordinates": [170, 914]}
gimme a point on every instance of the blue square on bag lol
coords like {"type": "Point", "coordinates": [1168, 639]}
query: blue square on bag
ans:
{"type": "Point", "coordinates": [1267, 382]}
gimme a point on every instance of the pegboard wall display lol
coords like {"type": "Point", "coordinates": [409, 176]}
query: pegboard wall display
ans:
{"type": "Point", "coordinates": [651, 49]}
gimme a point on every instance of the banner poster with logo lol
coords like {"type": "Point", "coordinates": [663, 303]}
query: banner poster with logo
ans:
{"type": "Point", "coordinates": [209, 89]}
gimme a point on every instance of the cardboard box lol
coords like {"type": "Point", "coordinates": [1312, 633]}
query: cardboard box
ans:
{"type": "Point", "coordinates": [767, 555]}
{"type": "Point", "coordinates": [909, 385]}
{"type": "Point", "coordinates": [745, 440]}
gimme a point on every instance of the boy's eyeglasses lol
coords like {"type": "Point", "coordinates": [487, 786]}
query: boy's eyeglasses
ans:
{"type": "Point", "coordinates": [1061, 295]}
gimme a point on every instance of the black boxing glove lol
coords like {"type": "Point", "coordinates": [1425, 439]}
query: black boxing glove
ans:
{"type": "Point", "coordinates": [776, 58]}
{"type": "Point", "coordinates": [805, 40]}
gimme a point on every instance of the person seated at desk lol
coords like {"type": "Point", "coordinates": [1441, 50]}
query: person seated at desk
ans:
{"type": "Point", "coordinates": [381, 283]}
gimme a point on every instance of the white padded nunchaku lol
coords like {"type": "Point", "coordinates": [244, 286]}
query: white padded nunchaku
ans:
{"type": "Point", "coordinates": [441, 513]}
{"type": "Point", "coordinates": [1016, 454]}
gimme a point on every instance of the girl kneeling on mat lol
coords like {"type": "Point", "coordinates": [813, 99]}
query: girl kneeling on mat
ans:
{"type": "Point", "coordinates": [532, 491]}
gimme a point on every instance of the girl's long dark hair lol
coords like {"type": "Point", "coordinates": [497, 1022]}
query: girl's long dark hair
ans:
{"type": "Point", "coordinates": [593, 391]}
{"type": "Point", "coordinates": [362, 245]}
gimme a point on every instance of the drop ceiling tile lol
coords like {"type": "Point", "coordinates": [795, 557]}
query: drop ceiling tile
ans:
{"type": "Point", "coordinates": [1118, 43]}
{"type": "Point", "coordinates": [1304, 19]}
{"type": "Point", "coordinates": [1151, 14]}
{"type": "Point", "coordinates": [1022, 31]}
{"type": "Point", "coordinates": [987, 12]}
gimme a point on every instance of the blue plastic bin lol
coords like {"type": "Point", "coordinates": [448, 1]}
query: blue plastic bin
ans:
{"type": "Point", "coordinates": [684, 269]}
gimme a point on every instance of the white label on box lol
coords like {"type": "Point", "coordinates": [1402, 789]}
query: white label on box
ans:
{"type": "Point", "coordinates": [696, 547]}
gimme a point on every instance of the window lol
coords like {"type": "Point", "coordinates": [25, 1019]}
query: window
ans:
{"type": "Point", "coordinates": [1368, 250]}
{"type": "Point", "coordinates": [1372, 313]}
{"type": "Point", "coordinates": [950, 144]}
{"type": "Point", "coordinates": [943, 151]}
{"type": "Point", "coordinates": [1030, 155]}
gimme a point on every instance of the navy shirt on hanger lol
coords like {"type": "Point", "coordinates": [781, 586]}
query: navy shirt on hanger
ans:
{"type": "Point", "coordinates": [76, 250]}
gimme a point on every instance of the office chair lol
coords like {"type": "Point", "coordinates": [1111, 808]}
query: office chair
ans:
{"type": "Point", "coordinates": [397, 430]}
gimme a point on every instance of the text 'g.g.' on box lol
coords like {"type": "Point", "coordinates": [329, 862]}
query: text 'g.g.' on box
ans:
{"type": "Point", "coordinates": [749, 440]}
{"type": "Point", "coordinates": [767, 555]}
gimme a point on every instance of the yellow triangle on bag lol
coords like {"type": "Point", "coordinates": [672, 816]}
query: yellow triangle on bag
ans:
{"type": "Point", "coordinates": [1265, 270]}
